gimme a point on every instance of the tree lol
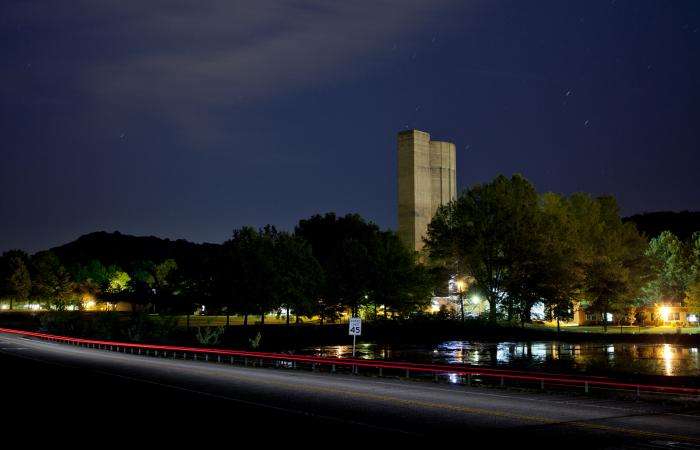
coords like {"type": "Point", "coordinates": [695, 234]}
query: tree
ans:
{"type": "Point", "coordinates": [140, 286]}
{"type": "Point", "coordinates": [671, 264]}
{"type": "Point", "coordinates": [364, 266]}
{"type": "Point", "coordinates": [398, 282]}
{"type": "Point", "coordinates": [692, 296]}
{"type": "Point", "coordinates": [52, 282]}
{"type": "Point", "coordinates": [195, 283]}
{"type": "Point", "coordinates": [562, 227]}
{"type": "Point", "coordinates": [90, 280]}
{"type": "Point", "coordinates": [247, 278]}
{"type": "Point", "coordinates": [298, 275]}
{"type": "Point", "coordinates": [94, 270]}
{"type": "Point", "coordinates": [345, 248]}
{"type": "Point", "coordinates": [615, 267]}
{"type": "Point", "coordinates": [164, 283]}
{"type": "Point", "coordinates": [15, 280]}
{"type": "Point", "coordinates": [521, 249]}
{"type": "Point", "coordinates": [486, 233]}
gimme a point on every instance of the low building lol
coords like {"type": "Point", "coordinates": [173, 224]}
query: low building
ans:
{"type": "Point", "coordinates": [669, 313]}
{"type": "Point", "coordinates": [658, 314]}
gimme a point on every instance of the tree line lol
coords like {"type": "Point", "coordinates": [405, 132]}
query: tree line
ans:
{"type": "Point", "coordinates": [328, 265]}
{"type": "Point", "coordinates": [520, 248]}
{"type": "Point", "coordinates": [517, 248]}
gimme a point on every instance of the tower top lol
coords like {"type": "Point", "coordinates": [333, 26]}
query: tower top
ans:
{"type": "Point", "coordinates": [413, 131]}
{"type": "Point", "coordinates": [427, 179]}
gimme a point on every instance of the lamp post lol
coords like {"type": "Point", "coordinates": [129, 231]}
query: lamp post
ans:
{"type": "Point", "coordinates": [460, 289]}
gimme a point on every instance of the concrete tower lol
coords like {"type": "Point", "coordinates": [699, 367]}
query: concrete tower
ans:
{"type": "Point", "coordinates": [427, 179]}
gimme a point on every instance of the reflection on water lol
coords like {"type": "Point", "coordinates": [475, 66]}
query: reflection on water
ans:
{"type": "Point", "coordinates": [649, 359]}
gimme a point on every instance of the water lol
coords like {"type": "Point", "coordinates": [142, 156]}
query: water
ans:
{"type": "Point", "coordinates": [593, 357]}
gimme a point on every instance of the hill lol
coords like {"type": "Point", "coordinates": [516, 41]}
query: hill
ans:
{"type": "Point", "coordinates": [683, 224]}
{"type": "Point", "coordinates": [123, 250]}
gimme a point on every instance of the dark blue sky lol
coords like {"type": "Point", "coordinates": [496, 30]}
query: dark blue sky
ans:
{"type": "Point", "coordinates": [188, 119]}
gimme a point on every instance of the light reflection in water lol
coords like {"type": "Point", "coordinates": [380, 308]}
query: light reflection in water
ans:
{"type": "Point", "coordinates": [668, 359]}
{"type": "Point", "coordinates": [652, 359]}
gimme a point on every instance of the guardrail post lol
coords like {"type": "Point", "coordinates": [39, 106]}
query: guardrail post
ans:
{"type": "Point", "coordinates": [333, 369]}
{"type": "Point", "coordinates": [503, 382]}
{"type": "Point", "coordinates": [436, 377]}
{"type": "Point", "coordinates": [469, 379]}
{"type": "Point", "coordinates": [542, 385]}
{"type": "Point", "coordinates": [195, 357]}
{"type": "Point", "coordinates": [232, 360]}
{"type": "Point", "coordinates": [218, 359]}
{"type": "Point", "coordinates": [156, 352]}
{"type": "Point", "coordinates": [586, 387]}
{"type": "Point", "coordinates": [381, 372]}
{"type": "Point", "coordinates": [408, 374]}
{"type": "Point", "coordinates": [638, 396]}
{"type": "Point", "coordinates": [245, 362]}
{"type": "Point", "coordinates": [206, 357]}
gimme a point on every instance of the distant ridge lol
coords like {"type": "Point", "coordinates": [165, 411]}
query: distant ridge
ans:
{"type": "Point", "coordinates": [124, 250]}
{"type": "Point", "coordinates": [683, 224]}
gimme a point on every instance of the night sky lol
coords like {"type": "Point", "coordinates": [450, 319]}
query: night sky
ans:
{"type": "Point", "coordinates": [189, 119]}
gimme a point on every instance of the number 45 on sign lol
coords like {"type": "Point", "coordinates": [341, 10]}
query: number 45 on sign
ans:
{"type": "Point", "coordinates": [355, 326]}
{"type": "Point", "coordinates": [355, 330]}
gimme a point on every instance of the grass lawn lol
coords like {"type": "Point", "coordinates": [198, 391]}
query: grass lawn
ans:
{"type": "Point", "coordinates": [218, 321]}
{"type": "Point", "coordinates": [215, 321]}
{"type": "Point", "coordinates": [616, 329]}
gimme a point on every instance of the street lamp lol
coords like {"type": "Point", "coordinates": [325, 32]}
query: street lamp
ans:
{"type": "Point", "coordinates": [460, 288]}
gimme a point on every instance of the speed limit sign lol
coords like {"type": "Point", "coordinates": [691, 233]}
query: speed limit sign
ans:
{"type": "Point", "coordinates": [355, 326]}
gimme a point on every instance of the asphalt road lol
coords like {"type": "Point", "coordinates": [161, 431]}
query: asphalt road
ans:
{"type": "Point", "coordinates": [60, 393]}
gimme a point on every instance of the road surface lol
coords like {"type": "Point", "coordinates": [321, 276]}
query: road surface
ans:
{"type": "Point", "coordinates": [68, 390]}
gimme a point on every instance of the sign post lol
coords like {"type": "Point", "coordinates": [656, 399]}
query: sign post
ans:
{"type": "Point", "coordinates": [355, 330]}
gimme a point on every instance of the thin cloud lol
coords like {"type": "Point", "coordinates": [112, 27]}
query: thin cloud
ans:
{"type": "Point", "coordinates": [229, 51]}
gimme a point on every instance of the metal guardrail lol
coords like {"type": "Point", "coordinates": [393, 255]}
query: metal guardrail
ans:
{"type": "Point", "coordinates": [469, 375]}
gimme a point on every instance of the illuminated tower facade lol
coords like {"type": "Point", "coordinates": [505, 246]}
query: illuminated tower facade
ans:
{"type": "Point", "coordinates": [427, 179]}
